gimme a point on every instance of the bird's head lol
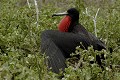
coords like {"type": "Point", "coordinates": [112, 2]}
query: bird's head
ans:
{"type": "Point", "coordinates": [71, 17]}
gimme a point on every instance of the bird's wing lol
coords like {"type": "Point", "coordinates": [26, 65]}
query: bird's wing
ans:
{"type": "Point", "coordinates": [59, 45]}
{"type": "Point", "coordinates": [56, 59]}
{"type": "Point", "coordinates": [97, 43]}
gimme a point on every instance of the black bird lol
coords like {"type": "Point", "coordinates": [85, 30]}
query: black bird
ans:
{"type": "Point", "coordinates": [59, 44]}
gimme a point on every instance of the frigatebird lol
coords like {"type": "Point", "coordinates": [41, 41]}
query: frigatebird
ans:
{"type": "Point", "coordinates": [59, 44]}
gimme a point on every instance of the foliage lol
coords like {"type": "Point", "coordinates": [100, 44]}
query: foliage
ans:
{"type": "Point", "coordinates": [85, 70]}
{"type": "Point", "coordinates": [20, 56]}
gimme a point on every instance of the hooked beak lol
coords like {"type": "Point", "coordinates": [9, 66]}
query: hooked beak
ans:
{"type": "Point", "coordinates": [60, 14]}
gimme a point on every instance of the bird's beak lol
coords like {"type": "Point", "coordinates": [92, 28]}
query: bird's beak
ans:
{"type": "Point", "coordinates": [60, 14]}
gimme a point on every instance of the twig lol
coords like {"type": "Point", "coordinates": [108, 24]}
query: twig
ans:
{"type": "Point", "coordinates": [28, 3]}
{"type": "Point", "coordinates": [94, 19]}
{"type": "Point", "coordinates": [37, 12]}
{"type": "Point", "coordinates": [78, 65]}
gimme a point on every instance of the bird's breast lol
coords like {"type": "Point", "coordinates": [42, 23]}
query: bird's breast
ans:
{"type": "Point", "coordinates": [64, 24]}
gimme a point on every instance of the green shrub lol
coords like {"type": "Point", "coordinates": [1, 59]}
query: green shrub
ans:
{"type": "Point", "coordinates": [20, 56]}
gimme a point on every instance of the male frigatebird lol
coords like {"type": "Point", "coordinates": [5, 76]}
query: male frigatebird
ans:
{"type": "Point", "coordinates": [59, 44]}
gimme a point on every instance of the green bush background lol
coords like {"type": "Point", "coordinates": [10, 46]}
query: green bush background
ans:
{"type": "Point", "coordinates": [20, 57]}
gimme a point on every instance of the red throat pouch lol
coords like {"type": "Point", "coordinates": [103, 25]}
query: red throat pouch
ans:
{"type": "Point", "coordinates": [64, 24]}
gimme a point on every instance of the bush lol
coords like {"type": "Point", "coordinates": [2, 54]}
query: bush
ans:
{"type": "Point", "coordinates": [20, 56]}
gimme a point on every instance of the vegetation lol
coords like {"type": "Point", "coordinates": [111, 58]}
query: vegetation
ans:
{"type": "Point", "coordinates": [20, 57]}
